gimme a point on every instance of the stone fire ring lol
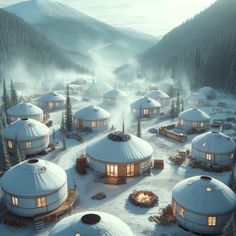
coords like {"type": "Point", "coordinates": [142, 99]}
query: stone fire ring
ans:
{"type": "Point", "coordinates": [146, 199]}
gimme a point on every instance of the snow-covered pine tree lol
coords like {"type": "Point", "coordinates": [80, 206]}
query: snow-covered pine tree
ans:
{"type": "Point", "coordinates": [68, 112]}
{"type": "Point", "coordinates": [14, 98]}
{"type": "Point", "coordinates": [178, 104]}
{"type": "Point", "coordinates": [4, 157]}
{"type": "Point", "coordinates": [5, 98]}
{"type": "Point", "coordinates": [16, 157]}
{"type": "Point", "coordinates": [139, 132]}
{"type": "Point", "coordinates": [173, 110]}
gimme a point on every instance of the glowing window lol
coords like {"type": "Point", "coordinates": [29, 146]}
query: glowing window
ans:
{"type": "Point", "coordinates": [28, 144]}
{"type": "Point", "coordinates": [181, 122]}
{"type": "Point", "coordinates": [50, 105]}
{"type": "Point", "coordinates": [181, 211]}
{"type": "Point", "coordinates": [208, 189]}
{"type": "Point", "coordinates": [145, 112]}
{"type": "Point", "coordinates": [112, 170]}
{"type": "Point", "coordinates": [211, 220]}
{"type": "Point", "coordinates": [41, 202]}
{"type": "Point", "coordinates": [208, 156]}
{"type": "Point", "coordinates": [201, 124]}
{"type": "Point", "coordinates": [14, 201]}
{"type": "Point", "coordinates": [9, 143]}
{"type": "Point", "coordinates": [94, 124]}
{"type": "Point", "coordinates": [130, 169]}
{"type": "Point", "coordinates": [174, 207]}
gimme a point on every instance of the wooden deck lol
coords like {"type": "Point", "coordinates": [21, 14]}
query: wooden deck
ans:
{"type": "Point", "coordinates": [64, 208]}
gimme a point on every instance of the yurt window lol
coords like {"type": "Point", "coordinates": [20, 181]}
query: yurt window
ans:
{"type": "Point", "coordinates": [201, 124]}
{"type": "Point", "coordinates": [50, 105]}
{"type": "Point", "coordinates": [112, 170]}
{"type": "Point", "coordinates": [194, 124]}
{"type": "Point", "coordinates": [94, 124]}
{"type": "Point", "coordinates": [174, 207]}
{"type": "Point", "coordinates": [145, 112]}
{"type": "Point", "coordinates": [181, 121]}
{"type": "Point", "coordinates": [208, 156]}
{"type": "Point", "coordinates": [56, 104]}
{"type": "Point", "coordinates": [211, 220]}
{"type": "Point", "coordinates": [181, 211]}
{"type": "Point", "coordinates": [14, 201]}
{"type": "Point", "coordinates": [9, 143]}
{"type": "Point", "coordinates": [41, 202]}
{"type": "Point", "coordinates": [130, 169]}
{"type": "Point", "coordinates": [28, 144]}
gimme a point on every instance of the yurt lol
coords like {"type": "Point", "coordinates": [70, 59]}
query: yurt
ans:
{"type": "Point", "coordinates": [213, 148]}
{"type": "Point", "coordinates": [195, 100]}
{"type": "Point", "coordinates": [52, 101]}
{"type": "Point", "coordinates": [114, 97]}
{"type": "Point", "coordinates": [34, 187]}
{"type": "Point", "coordinates": [32, 135]}
{"type": "Point", "coordinates": [25, 110]}
{"type": "Point", "coordinates": [91, 223]}
{"type": "Point", "coordinates": [203, 204]}
{"type": "Point", "coordinates": [120, 154]}
{"type": "Point", "coordinates": [148, 106]}
{"type": "Point", "coordinates": [208, 92]}
{"type": "Point", "coordinates": [93, 118]}
{"type": "Point", "coordinates": [194, 119]}
{"type": "Point", "coordinates": [160, 97]}
{"type": "Point", "coordinates": [96, 89]}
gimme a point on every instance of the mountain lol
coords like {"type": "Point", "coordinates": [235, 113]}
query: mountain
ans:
{"type": "Point", "coordinates": [76, 31]}
{"type": "Point", "coordinates": [21, 43]}
{"type": "Point", "coordinates": [203, 49]}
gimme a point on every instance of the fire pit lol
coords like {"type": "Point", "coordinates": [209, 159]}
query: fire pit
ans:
{"type": "Point", "coordinates": [145, 199]}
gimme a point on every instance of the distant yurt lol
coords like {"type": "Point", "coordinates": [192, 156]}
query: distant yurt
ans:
{"type": "Point", "coordinates": [194, 119]}
{"type": "Point", "coordinates": [120, 154]}
{"type": "Point", "coordinates": [52, 101]}
{"type": "Point", "coordinates": [208, 92]}
{"type": "Point", "coordinates": [92, 117]}
{"type": "Point", "coordinates": [203, 204]}
{"type": "Point", "coordinates": [34, 187]}
{"type": "Point", "coordinates": [32, 135]}
{"type": "Point", "coordinates": [25, 110]}
{"type": "Point", "coordinates": [148, 106]}
{"type": "Point", "coordinates": [168, 87]}
{"type": "Point", "coordinates": [96, 90]}
{"type": "Point", "coordinates": [114, 97]}
{"type": "Point", "coordinates": [91, 223]}
{"type": "Point", "coordinates": [213, 148]}
{"type": "Point", "coordinates": [195, 100]}
{"type": "Point", "coordinates": [160, 97]}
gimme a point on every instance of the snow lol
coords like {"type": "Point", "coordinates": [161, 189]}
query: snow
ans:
{"type": "Point", "coordinates": [161, 182]}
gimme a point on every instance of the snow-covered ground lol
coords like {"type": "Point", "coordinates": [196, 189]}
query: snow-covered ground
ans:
{"type": "Point", "coordinates": [161, 182]}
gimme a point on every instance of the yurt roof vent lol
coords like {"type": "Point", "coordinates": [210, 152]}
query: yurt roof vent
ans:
{"type": "Point", "coordinates": [205, 177]}
{"type": "Point", "coordinates": [118, 136]}
{"type": "Point", "coordinates": [25, 118]}
{"type": "Point", "coordinates": [90, 219]}
{"type": "Point", "coordinates": [32, 161]}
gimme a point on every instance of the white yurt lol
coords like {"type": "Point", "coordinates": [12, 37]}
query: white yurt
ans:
{"type": "Point", "coordinates": [92, 117]}
{"type": "Point", "coordinates": [52, 101]}
{"type": "Point", "coordinates": [203, 204]}
{"type": "Point", "coordinates": [160, 97]}
{"type": "Point", "coordinates": [195, 100]}
{"type": "Point", "coordinates": [96, 89]}
{"type": "Point", "coordinates": [214, 148]}
{"type": "Point", "coordinates": [34, 187]}
{"type": "Point", "coordinates": [208, 92]}
{"type": "Point", "coordinates": [120, 154]}
{"type": "Point", "coordinates": [25, 110]}
{"type": "Point", "coordinates": [32, 135]}
{"type": "Point", "coordinates": [114, 97]}
{"type": "Point", "coordinates": [193, 119]}
{"type": "Point", "coordinates": [91, 223]}
{"type": "Point", "coordinates": [149, 108]}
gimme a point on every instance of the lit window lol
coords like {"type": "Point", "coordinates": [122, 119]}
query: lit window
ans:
{"type": "Point", "coordinates": [14, 201]}
{"type": "Point", "coordinates": [201, 124]}
{"type": "Point", "coordinates": [112, 170]}
{"type": "Point", "coordinates": [181, 121]}
{"type": "Point", "coordinates": [9, 143]}
{"type": "Point", "coordinates": [50, 105]}
{"type": "Point", "coordinates": [41, 202]}
{"type": "Point", "coordinates": [174, 207]}
{"type": "Point", "coordinates": [28, 144]}
{"type": "Point", "coordinates": [130, 169]}
{"type": "Point", "coordinates": [208, 156]}
{"type": "Point", "coordinates": [208, 189]}
{"type": "Point", "coordinates": [211, 220]}
{"type": "Point", "coordinates": [94, 124]}
{"type": "Point", "coordinates": [181, 211]}
{"type": "Point", "coordinates": [145, 112]}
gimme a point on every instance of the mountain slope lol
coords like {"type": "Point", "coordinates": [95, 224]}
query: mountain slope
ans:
{"type": "Point", "coordinates": [76, 31]}
{"type": "Point", "coordinates": [21, 43]}
{"type": "Point", "coordinates": [203, 48]}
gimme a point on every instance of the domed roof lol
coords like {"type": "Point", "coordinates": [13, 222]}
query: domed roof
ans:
{"type": "Point", "coordinates": [145, 102]}
{"type": "Point", "coordinates": [194, 114]}
{"type": "Point", "coordinates": [25, 129]}
{"type": "Point", "coordinates": [196, 97]}
{"type": "Point", "coordinates": [92, 113]}
{"type": "Point", "coordinates": [119, 147]}
{"type": "Point", "coordinates": [51, 97]}
{"type": "Point", "coordinates": [33, 177]}
{"type": "Point", "coordinates": [115, 93]}
{"type": "Point", "coordinates": [204, 195]}
{"type": "Point", "coordinates": [91, 223]}
{"type": "Point", "coordinates": [157, 94]}
{"type": "Point", "coordinates": [214, 142]}
{"type": "Point", "coordinates": [24, 109]}
{"type": "Point", "coordinates": [207, 90]}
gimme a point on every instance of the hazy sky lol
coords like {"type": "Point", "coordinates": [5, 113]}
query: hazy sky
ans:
{"type": "Point", "coordinates": [155, 17]}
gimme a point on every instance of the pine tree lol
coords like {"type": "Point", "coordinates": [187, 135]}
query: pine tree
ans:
{"type": "Point", "coordinates": [173, 110]}
{"type": "Point", "coordinates": [64, 143]}
{"type": "Point", "coordinates": [3, 120]}
{"type": "Point", "coordinates": [178, 104]}
{"type": "Point", "coordinates": [16, 158]}
{"type": "Point", "coordinates": [5, 98]}
{"type": "Point", "coordinates": [230, 228]}
{"type": "Point", "coordinates": [139, 133]}
{"type": "Point", "coordinates": [14, 98]}
{"type": "Point", "coordinates": [62, 122]}
{"type": "Point", "coordinates": [54, 136]}
{"type": "Point", "coordinates": [182, 104]}
{"type": "Point", "coordinates": [68, 112]}
{"type": "Point", "coordinates": [4, 157]}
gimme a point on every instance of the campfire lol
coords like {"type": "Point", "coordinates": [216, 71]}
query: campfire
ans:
{"type": "Point", "coordinates": [145, 199]}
